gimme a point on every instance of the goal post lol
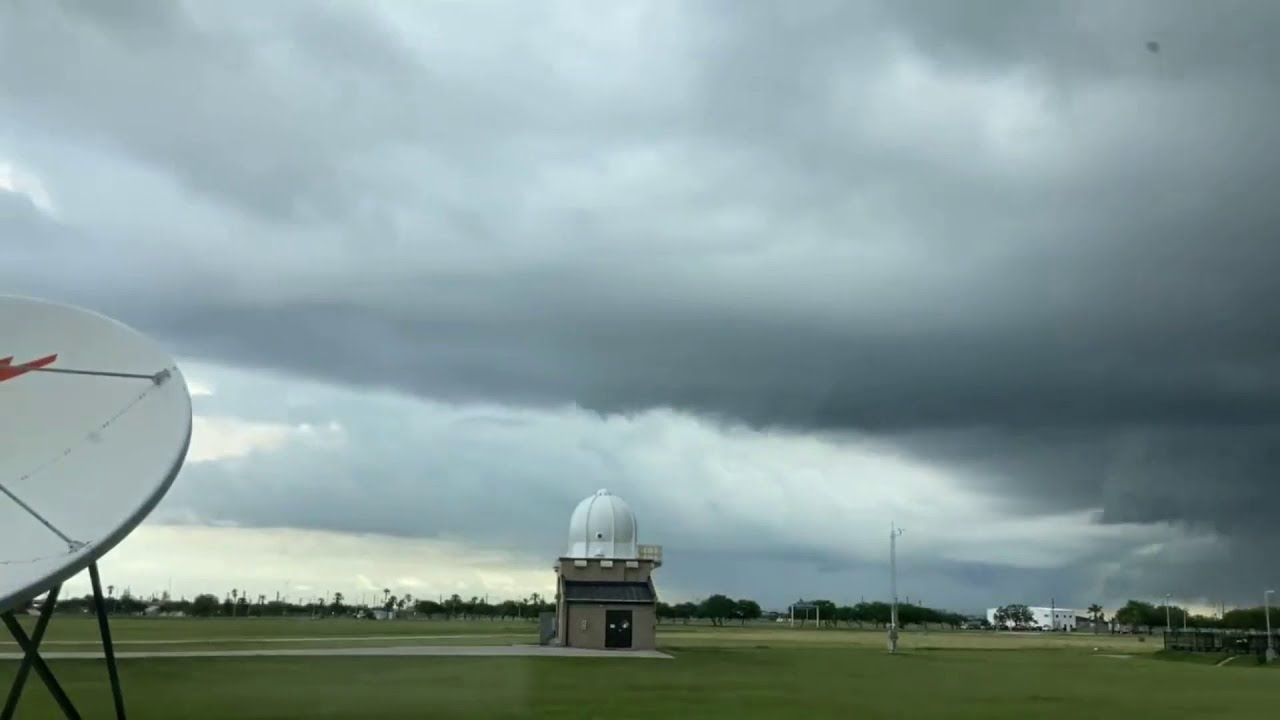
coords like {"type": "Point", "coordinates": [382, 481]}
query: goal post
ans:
{"type": "Point", "coordinates": [805, 608]}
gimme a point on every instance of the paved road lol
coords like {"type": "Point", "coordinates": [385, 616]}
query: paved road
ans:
{"type": "Point", "coordinates": [398, 651]}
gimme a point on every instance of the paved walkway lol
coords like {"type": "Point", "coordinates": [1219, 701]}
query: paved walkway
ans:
{"type": "Point", "coordinates": [398, 651]}
{"type": "Point", "coordinates": [276, 639]}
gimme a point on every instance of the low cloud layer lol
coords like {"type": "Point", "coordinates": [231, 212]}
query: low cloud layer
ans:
{"type": "Point", "coordinates": [722, 499]}
{"type": "Point", "coordinates": [1012, 243]}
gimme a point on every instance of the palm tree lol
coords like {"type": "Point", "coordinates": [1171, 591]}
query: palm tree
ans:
{"type": "Point", "coordinates": [1095, 614]}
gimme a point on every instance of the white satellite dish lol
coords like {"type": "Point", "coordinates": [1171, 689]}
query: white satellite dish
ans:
{"type": "Point", "coordinates": [95, 421]}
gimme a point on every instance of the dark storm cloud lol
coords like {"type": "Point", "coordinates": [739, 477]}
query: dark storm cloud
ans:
{"type": "Point", "coordinates": [1084, 319]}
{"type": "Point", "coordinates": [1140, 292]}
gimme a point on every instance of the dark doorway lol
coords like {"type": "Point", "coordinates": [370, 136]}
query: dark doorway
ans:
{"type": "Point", "coordinates": [617, 628]}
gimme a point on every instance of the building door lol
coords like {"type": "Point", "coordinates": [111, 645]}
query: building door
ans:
{"type": "Point", "coordinates": [617, 628]}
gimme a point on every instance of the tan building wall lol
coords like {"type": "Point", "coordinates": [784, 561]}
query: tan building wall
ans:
{"type": "Point", "coordinates": [586, 625]}
{"type": "Point", "coordinates": [562, 619]}
{"type": "Point", "coordinates": [604, 570]}
{"type": "Point", "coordinates": [570, 617]}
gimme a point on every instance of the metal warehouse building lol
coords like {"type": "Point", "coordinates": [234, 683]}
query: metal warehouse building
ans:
{"type": "Point", "coordinates": [1047, 618]}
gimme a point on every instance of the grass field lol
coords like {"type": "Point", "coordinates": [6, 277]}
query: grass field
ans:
{"type": "Point", "coordinates": [739, 673]}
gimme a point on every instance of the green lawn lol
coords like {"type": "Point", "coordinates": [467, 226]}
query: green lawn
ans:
{"type": "Point", "coordinates": [73, 628]}
{"type": "Point", "coordinates": [738, 673]}
{"type": "Point", "coordinates": [166, 634]}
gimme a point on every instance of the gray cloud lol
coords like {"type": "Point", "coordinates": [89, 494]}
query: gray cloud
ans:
{"type": "Point", "coordinates": [1009, 238]}
{"type": "Point", "coordinates": [731, 506]}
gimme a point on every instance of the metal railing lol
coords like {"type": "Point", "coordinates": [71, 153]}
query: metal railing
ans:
{"type": "Point", "coordinates": [650, 552]}
{"type": "Point", "coordinates": [1232, 642]}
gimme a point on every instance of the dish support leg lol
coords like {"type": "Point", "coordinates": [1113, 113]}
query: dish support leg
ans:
{"type": "Point", "coordinates": [108, 648]}
{"type": "Point", "coordinates": [31, 660]}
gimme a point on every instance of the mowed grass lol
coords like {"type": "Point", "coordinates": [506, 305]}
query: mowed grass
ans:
{"type": "Point", "coordinates": [167, 630]}
{"type": "Point", "coordinates": [739, 673]}
{"type": "Point", "coordinates": [914, 640]}
{"type": "Point", "coordinates": [174, 634]}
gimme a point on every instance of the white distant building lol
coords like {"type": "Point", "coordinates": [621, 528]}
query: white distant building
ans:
{"type": "Point", "coordinates": [1045, 618]}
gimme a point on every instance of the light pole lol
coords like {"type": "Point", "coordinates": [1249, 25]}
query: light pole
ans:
{"type": "Point", "coordinates": [1271, 642]}
{"type": "Point", "coordinates": [894, 532]}
{"type": "Point", "coordinates": [1168, 623]}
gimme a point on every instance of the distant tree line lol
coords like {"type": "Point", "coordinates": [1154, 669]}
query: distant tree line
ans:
{"type": "Point", "coordinates": [1140, 616]}
{"type": "Point", "coordinates": [716, 609]}
{"type": "Point", "coordinates": [721, 609]}
{"type": "Point", "coordinates": [236, 603]}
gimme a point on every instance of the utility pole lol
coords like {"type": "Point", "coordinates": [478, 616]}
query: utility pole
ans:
{"type": "Point", "coordinates": [894, 532]}
{"type": "Point", "coordinates": [1271, 640]}
{"type": "Point", "coordinates": [1168, 623]}
{"type": "Point", "coordinates": [1053, 615]}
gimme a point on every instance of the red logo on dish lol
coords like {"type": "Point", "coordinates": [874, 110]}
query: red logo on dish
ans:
{"type": "Point", "coordinates": [9, 371]}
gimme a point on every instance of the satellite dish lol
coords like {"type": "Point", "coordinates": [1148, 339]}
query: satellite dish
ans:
{"type": "Point", "coordinates": [95, 421]}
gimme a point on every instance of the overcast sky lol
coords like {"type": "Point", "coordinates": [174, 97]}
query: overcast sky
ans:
{"type": "Point", "coordinates": [776, 273]}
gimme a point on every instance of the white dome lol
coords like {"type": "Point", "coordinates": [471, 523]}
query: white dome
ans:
{"type": "Point", "coordinates": [602, 526]}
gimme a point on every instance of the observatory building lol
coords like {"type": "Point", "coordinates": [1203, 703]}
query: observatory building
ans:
{"type": "Point", "coordinates": [605, 597]}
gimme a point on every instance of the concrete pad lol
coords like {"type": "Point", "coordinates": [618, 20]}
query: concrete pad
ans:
{"type": "Point", "coordinates": [398, 651]}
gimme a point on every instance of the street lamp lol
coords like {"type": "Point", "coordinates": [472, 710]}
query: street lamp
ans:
{"type": "Point", "coordinates": [1271, 641]}
{"type": "Point", "coordinates": [894, 532]}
